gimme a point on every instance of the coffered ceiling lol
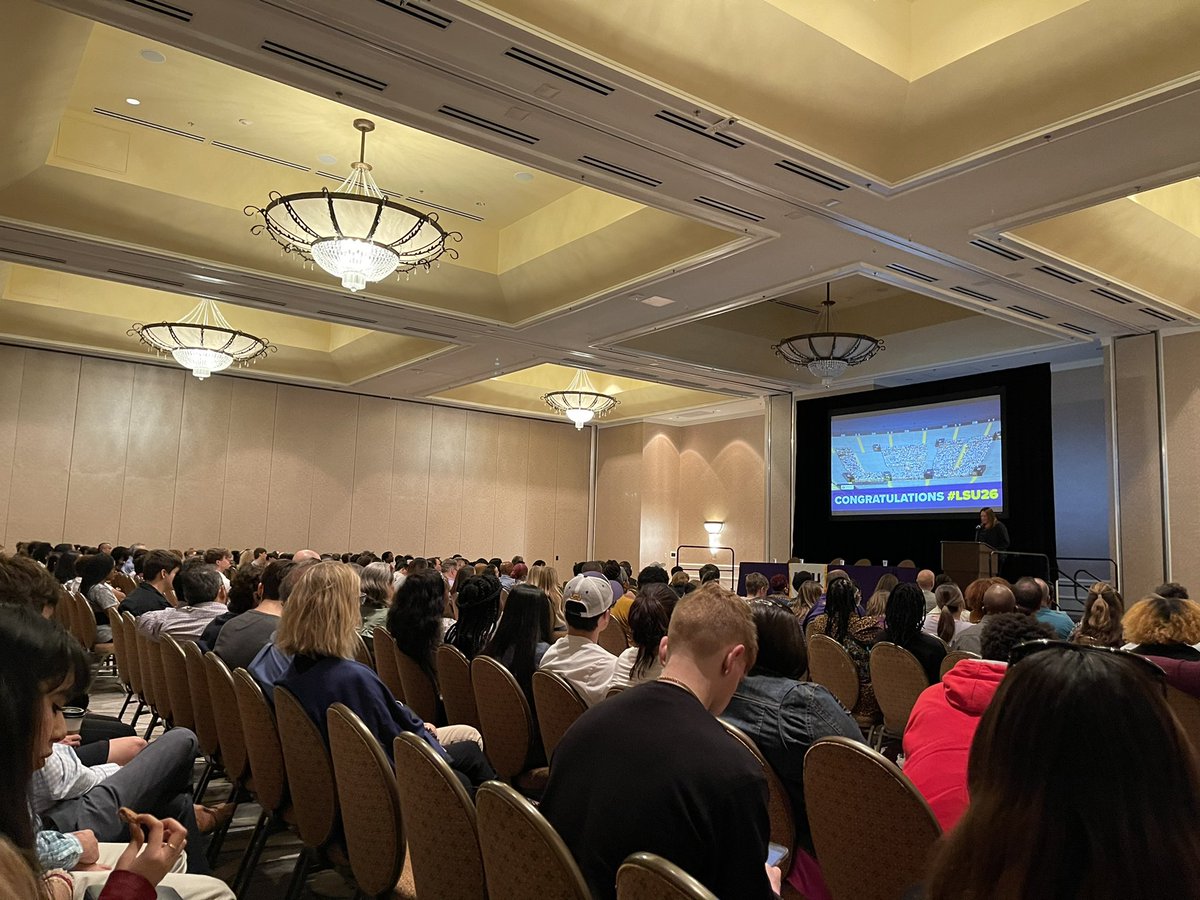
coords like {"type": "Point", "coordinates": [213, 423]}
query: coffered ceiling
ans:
{"type": "Point", "coordinates": [657, 192]}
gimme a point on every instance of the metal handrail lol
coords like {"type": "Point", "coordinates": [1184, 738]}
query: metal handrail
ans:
{"type": "Point", "coordinates": [992, 561]}
{"type": "Point", "coordinates": [1116, 579]}
{"type": "Point", "coordinates": [732, 559]}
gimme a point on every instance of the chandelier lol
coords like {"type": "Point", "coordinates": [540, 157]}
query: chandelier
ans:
{"type": "Point", "coordinates": [827, 354]}
{"type": "Point", "coordinates": [203, 341]}
{"type": "Point", "coordinates": [355, 233]}
{"type": "Point", "coordinates": [580, 401]}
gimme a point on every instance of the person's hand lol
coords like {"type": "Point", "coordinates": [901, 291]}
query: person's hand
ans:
{"type": "Point", "coordinates": [72, 740]}
{"type": "Point", "coordinates": [431, 729]}
{"type": "Point", "coordinates": [91, 847]}
{"type": "Point", "coordinates": [118, 593]}
{"type": "Point", "coordinates": [774, 875]}
{"type": "Point", "coordinates": [153, 854]}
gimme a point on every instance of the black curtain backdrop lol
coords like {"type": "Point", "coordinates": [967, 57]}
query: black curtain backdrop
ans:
{"type": "Point", "coordinates": [1029, 498]}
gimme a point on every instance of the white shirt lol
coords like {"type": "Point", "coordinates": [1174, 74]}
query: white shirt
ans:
{"type": "Point", "coordinates": [930, 625]}
{"type": "Point", "coordinates": [584, 663]}
{"type": "Point", "coordinates": [63, 776]}
{"type": "Point", "coordinates": [625, 663]}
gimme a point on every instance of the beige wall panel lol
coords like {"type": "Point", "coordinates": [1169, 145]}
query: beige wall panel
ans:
{"type": "Point", "coordinates": [780, 462]}
{"type": "Point", "coordinates": [1181, 358]}
{"type": "Point", "coordinates": [42, 452]}
{"type": "Point", "coordinates": [289, 501]}
{"type": "Point", "coordinates": [660, 493]}
{"type": "Point", "coordinates": [447, 457]}
{"type": "Point", "coordinates": [335, 417]}
{"type": "Point", "coordinates": [512, 460]}
{"type": "Point", "coordinates": [540, 489]}
{"type": "Point", "coordinates": [571, 494]}
{"type": "Point", "coordinates": [1138, 462]}
{"type": "Point", "coordinates": [12, 366]}
{"type": "Point", "coordinates": [248, 464]}
{"type": "Point", "coordinates": [619, 493]}
{"type": "Point", "coordinates": [203, 445]}
{"type": "Point", "coordinates": [410, 479]}
{"type": "Point", "coordinates": [152, 456]}
{"type": "Point", "coordinates": [481, 521]}
{"type": "Point", "coordinates": [372, 500]}
{"type": "Point", "coordinates": [98, 451]}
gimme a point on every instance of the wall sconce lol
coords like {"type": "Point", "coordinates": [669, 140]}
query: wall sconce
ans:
{"type": "Point", "coordinates": [714, 528]}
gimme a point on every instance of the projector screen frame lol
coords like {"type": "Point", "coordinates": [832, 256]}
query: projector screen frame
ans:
{"type": "Point", "coordinates": [929, 399]}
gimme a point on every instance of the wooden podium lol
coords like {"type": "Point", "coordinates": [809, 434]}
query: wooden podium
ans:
{"type": "Point", "coordinates": [964, 561]}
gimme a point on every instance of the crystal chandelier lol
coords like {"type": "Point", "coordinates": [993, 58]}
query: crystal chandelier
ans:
{"type": "Point", "coordinates": [827, 354]}
{"type": "Point", "coordinates": [355, 233]}
{"type": "Point", "coordinates": [203, 341]}
{"type": "Point", "coordinates": [580, 401]}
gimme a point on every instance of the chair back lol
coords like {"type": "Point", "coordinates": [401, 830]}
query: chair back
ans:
{"type": "Point", "coordinates": [385, 661]}
{"type": "Point", "coordinates": [120, 651]}
{"type": "Point", "coordinates": [504, 717]}
{"type": "Point", "coordinates": [84, 622]}
{"type": "Point", "coordinates": [779, 804]}
{"type": "Point", "coordinates": [898, 680]}
{"type": "Point", "coordinates": [829, 664]}
{"type": "Point", "coordinates": [437, 814]}
{"type": "Point", "coordinates": [143, 650]}
{"type": "Point", "coordinates": [614, 638]}
{"type": "Point", "coordinates": [420, 693]}
{"type": "Point", "coordinates": [523, 856]}
{"type": "Point", "coordinates": [1187, 711]}
{"type": "Point", "coordinates": [262, 742]}
{"type": "Point", "coordinates": [309, 771]}
{"type": "Point", "coordinates": [614, 690]}
{"type": "Point", "coordinates": [862, 562]}
{"type": "Point", "coordinates": [123, 582]}
{"type": "Point", "coordinates": [64, 609]}
{"type": "Point", "coordinates": [362, 653]}
{"type": "Point", "coordinates": [644, 876]}
{"type": "Point", "coordinates": [202, 709]}
{"type": "Point", "coordinates": [871, 829]}
{"type": "Point", "coordinates": [370, 803]}
{"type": "Point", "coordinates": [223, 697]}
{"type": "Point", "coordinates": [158, 674]}
{"type": "Point", "coordinates": [906, 564]}
{"type": "Point", "coordinates": [133, 660]}
{"type": "Point", "coordinates": [454, 678]}
{"type": "Point", "coordinates": [953, 658]}
{"type": "Point", "coordinates": [558, 706]}
{"type": "Point", "coordinates": [175, 676]}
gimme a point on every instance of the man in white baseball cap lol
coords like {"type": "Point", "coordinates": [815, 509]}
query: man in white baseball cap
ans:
{"type": "Point", "coordinates": [578, 657]}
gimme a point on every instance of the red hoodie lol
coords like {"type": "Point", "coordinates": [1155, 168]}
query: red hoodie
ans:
{"type": "Point", "coordinates": [938, 738]}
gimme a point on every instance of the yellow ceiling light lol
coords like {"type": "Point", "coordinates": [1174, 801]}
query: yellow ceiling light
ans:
{"type": "Point", "coordinates": [203, 342]}
{"type": "Point", "coordinates": [581, 402]}
{"type": "Point", "coordinates": [355, 233]}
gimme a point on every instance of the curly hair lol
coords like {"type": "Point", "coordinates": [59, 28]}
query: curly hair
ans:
{"type": "Point", "coordinates": [1162, 620]}
{"type": "Point", "coordinates": [1003, 631]}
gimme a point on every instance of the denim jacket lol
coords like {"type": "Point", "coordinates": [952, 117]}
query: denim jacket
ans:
{"type": "Point", "coordinates": [784, 717]}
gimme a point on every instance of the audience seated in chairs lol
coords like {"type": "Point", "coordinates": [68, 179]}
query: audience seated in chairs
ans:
{"type": "Point", "coordinates": [523, 635]}
{"type": "Point", "coordinates": [945, 716]}
{"type": "Point", "coordinates": [546, 578]}
{"type": "Point", "coordinates": [948, 618]}
{"type": "Point", "coordinates": [478, 609]}
{"type": "Point", "coordinates": [1033, 598]}
{"type": "Point", "coordinates": [784, 716]}
{"type": "Point", "coordinates": [378, 592]}
{"type": "Point", "coordinates": [1165, 630]}
{"type": "Point", "coordinates": [159, 568]}
{"type": "Point", "coordinates": [241, 598]}
{"type": "Point", "coordinates": [705, 810]}
{"type": "Point", "coordinates": [578, 657]}
{"type": "Point", "coordinates": [905, 612]}
{"type": "Point", "coordinates": [416, 619]}
{"type": "Point", "coordinates": [319, 630]}
{"type": "Point", "coordinates": [997, 599]}
{"type": "Point", "coordinates": [1082, 786]}
{"type": "Point", "coordinates": [857, 633]}
{"type": "Point", "coordinates": [244, 636]}
{"type": "Point", "coordinates": [40, 667]}
{"type": "Point", "coordinates": [1100, 625]}
{"type": "Point", "coordinates": [648, 621]}
{"type": "Point", "coordinates": [94, 573]}
{"type": "Point", "coordinates": [201, 596]}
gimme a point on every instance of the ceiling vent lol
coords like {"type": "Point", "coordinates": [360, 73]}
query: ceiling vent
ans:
{"type": "Point", "coordinates": [1078, 329]}
{"type": "Point", "coordinates": [1025, 311]}
{"type": "Point", "coordinates": [911, 273]}
{"type": "Point", "coordinates": [362, 320]}
{"type": "Point", "coordinates": [1059, 274]}
{"type": "Point", "coordinates": [811, 174]}
{"type": "Point", "coordinates": [970, 292]}
{"type": "Point", "coordinates": [424, 332]}
{"type": "Point", "coordinates": [620, 171]}
{"type": "Point", "coordinates": [135, 121]}
{"type": "Point", "coordinates": [420, 200]}
{"type": "Point", "coordinates": [729, 208]}
{"type": "Point", "coordinates": [23, 254]}
{"type": "Point", "coordinates": [236, 296]}
{"type": "Point", "coordinates": [418, 12]}
{"type": "Point", "coordinates": [1111, 295]}
{"type": "Point", "coordinates": [262, 156]}
{"type": "Point", "coordinates": [699, 128]}
{"type": "Point", "coordinates": [163, 9]}
{"type": "Point", "coordinates": [322, 65]}
{"type": "Point", "coordinates": [550, 67]}
{"type": "Point", "coordinates": [147, 279]}
{"type": "Point", "coordinates": [998, 250]}
{"type": "Point", "coordinates": [1161, 316]}
{"type": "Point", "coordinates": [487, 125]}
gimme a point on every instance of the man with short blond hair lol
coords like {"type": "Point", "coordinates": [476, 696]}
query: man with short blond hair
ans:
{"type": "Point", "coordinates": [689, 792]}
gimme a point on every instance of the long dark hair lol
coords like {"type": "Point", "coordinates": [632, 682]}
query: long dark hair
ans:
{"type": "Point", "coordinates": [904, 612]}
{"type": "Point", "coordinates": [525, 624]}
{"type": "Point", "coordinates": [478, 607]}
{"type": "Point", "coordinates": [94, 570]}
{"type": "Point", "coordinates": [64, 566]}
{"type": "Point", "coordinates": [841, 602]}
{"type": "Point", "coordinates": [950, 603]}
{"type": "Point", "coordinates": [39, 655]}
{"type": "Point", "coordinates": [1102, 613]}
{"type": "Point", "coordinates": [1074, 818]}
{"type": "Point", "coordinates": [415, 619]}
{"type": "Point", "coordinates": [648, 620]}
{"type": "Point", "coordinates": [781, 650]}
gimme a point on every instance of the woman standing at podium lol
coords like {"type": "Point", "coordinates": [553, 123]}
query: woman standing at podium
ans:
{"type": "Point", "coordinates": [990, 530]}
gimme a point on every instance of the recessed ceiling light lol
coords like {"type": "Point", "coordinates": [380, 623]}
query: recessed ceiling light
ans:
{"type": "Point", "coordinates": [152, 56]}
{"type": "Point", "coordinates": [524, 176]}
{"type": "Point", "coordinates": [830, 204]}
{"type": "Point", "coordinates": [245, 122]}
{"type": "Point", "coordinates": [657, 301]}
{"type": "Point", "coordinates": [327, 159]}
{"type": "Point", "coordinates": [133, 101]}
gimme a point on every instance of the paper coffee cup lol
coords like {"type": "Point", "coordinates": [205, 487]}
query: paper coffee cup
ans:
{"type": "Point", "coordinates": [74, 718]}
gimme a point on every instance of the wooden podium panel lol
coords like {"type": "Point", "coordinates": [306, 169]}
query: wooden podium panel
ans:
{"type": "Point", "coordinates": [964, 561]}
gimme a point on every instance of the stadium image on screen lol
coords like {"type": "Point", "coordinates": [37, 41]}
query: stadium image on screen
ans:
{"type": "Point", "coordinates": [933, 458]}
